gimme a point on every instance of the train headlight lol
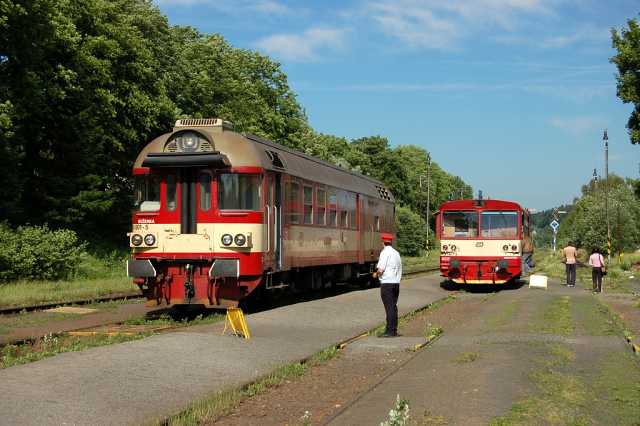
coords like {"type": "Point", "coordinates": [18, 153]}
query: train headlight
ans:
{"type": "Point", "coordinates": [453, 247]}
{"type": "Point", "coordinates": [514, 247]}
{"type": "Point", "coordinates": [136, 239]}
{"type": "Point", "coordinates": [226, 239]}
{"type": "Point", "coordinates": [149, 239]}
{"type": "Point", "coordinates": [445, 248]}
{"type": "Point", "coordinates": [505, 247]}
{"type": "Point", "coordinates": [240, 239]}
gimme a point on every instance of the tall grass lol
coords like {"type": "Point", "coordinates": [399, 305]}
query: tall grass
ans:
{"type": "Point", "coordinates": [96, 277]}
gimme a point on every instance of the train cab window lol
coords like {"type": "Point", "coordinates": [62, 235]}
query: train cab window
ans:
{"type": "Point", "coordinates": [459, 224]}
{"type": "Point", "coordinates": [308, 205]}
{"type": "Point", "coordinates": [147, 193]}
{"type": "Point", "coordinates": [238, 192]}
{"type": "Point", "coordinates": [499, 224]}
{"type": "Point", "coordinates": [204, 183]}
{"type": "Point", "coordinates": [292, 195]}
{"type": "Point", "coordinates": [333, 208]}
{"type": "Point", "coordinates": [321, 202]}
{"type": "Point", "coordinates": [171, 192]}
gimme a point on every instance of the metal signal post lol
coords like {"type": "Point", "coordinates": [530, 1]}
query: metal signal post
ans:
{"type": "Point", "coordinates": [605, 138]}
{"type": "Point", "coordinates": [428, 195]}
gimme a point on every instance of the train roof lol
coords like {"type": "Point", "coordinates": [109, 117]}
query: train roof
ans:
{"type": "Point", "coordinates": [485, 204]}
{"type": "Point", "coordinates": [246, 150]}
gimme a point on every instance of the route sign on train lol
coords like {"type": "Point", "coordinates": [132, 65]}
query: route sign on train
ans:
{"type": "Point", "coordinates": [554, 225]}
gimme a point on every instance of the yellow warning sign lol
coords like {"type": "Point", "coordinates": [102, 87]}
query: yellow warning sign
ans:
{"type": "Point", "coordinates": [235, 321]}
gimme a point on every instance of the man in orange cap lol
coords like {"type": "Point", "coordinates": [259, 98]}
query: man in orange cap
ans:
{"type": "Point", "coordinates": [389, 271]}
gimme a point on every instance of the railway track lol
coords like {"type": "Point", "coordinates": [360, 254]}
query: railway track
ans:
{"type": "Point", "coordinates": [123, 296]}
{"type": "Point", "coordinates": [42, 306]}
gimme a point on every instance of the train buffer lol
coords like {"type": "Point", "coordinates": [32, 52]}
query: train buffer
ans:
{"type": "Point", "coordinates": [236, 322]}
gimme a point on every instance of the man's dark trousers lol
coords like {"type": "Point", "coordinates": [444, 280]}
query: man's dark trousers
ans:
{"type": "Point", "coordinates": [571, 273]}
{"type": "Point", "coordinates": [389, 294]}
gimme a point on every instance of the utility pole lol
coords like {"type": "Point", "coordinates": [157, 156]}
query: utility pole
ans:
{"type": "Point", "coordinates": [605, 138]}
{"type": "Point", "coordinates": [428, 196]}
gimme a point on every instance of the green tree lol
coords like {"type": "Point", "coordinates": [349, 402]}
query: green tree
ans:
{"type": "Point", "coordinates": [586, 224]}
{"type": "Point", "coordinates": [87, 92]}
{"type": "Point", "coordinates": [411, 232]}
{"type": "Point", "coordinates": [245, 87]}
{"type": "Point", "coordinates": [627, 43]}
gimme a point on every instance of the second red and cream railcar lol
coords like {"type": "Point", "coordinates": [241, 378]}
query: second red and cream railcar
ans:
{"type": "Point", "coordinates": [481, 240]}
{"type": "Point", "coordinates": [220, 214]}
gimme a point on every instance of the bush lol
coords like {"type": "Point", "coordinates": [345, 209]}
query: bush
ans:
{"type": "Point", "coordinates": [36, 252]}
{"type": "Point", "coordinates": [411, 232]}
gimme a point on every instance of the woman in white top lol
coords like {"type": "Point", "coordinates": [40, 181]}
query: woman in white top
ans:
{"type": "Point", "coordinates": [596, 260]}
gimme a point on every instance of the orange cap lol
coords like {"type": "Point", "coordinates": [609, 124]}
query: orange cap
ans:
{"type": "Point", "coordinates": [386, 236]}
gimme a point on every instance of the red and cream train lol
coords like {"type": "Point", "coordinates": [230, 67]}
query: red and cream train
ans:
{"type": "Point", "coordinates": [220, 214]}
{"type": "Point", "coordinates": [481, 240]}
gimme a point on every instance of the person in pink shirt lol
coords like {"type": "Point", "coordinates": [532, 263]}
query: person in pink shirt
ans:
{"type": "Point", "coordinates": [596, 260]}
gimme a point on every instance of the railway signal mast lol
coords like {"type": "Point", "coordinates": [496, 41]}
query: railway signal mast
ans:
{"type": "Point", "coordinates": [428, 176]}
{"type": "Point", "coordinates": [605, 138]}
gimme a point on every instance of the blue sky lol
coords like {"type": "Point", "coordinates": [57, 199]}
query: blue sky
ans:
{"type": "Point", "coordinates": [511, 95]}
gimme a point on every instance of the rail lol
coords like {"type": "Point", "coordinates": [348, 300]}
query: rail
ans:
{"type": "Point", "coordinates": [123, 296]}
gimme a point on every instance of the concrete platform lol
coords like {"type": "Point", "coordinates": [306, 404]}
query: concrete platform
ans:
{"type": "Point", "coordinates": [146, 380]}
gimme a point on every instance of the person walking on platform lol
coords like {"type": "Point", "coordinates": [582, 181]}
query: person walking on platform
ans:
{"type": "Point", "coordinates": [596, 260]}
{"type": "Point", "coordinates": [389, 271]}
{"type": "Point", "coordinates": [569, 254]}
{"type": "Point", "coordinates": [527, 255]}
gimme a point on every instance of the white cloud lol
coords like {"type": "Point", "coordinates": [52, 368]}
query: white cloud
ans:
{"type": "Point", "coordinates": [305, 47]}
{"type": "Point", "coordinates": [579, 126]}
{"type": "Point", "coordinates": [581, 36]}
{"type": "Point", "coordinates": [267, 7]}
{"type": "Point", "coordinates": [438, 24]}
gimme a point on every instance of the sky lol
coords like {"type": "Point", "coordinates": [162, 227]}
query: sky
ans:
{"type": "Point", "coordinates": [511, 95]}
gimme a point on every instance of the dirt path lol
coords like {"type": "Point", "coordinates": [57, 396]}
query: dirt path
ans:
{"type": "Point", "coordinates": [515, 357]}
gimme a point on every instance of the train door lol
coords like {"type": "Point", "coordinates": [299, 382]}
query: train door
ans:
{"type": "Point", "coordinates": [277, 204]}
{"type": "Point", "coordinates": [188, 224]}
{"type": "Point", "coordinates": [273, 221]}
{"type": "Point", "coordinates": [360, 226]}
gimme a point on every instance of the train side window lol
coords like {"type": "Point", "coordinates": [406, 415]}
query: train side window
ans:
{"type": "Point", "coordinates": [308, 205]}
{"type": "Point", "coordinates": [333, 208]}
{"type": "Point", "coordinates": [205, 191]}
{"type": "Point", "coordinates": [171, 192]}
{"type": "Point", "coordinates": [376, 220]}
{"type": "Point", "coordinates": [321, 202]}
{"type": "Point", "coordinates": [292, 190]}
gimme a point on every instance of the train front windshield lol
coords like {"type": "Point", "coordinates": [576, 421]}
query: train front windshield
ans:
{"type": "Point", "coordinates": [239, 192]}
{"type": "Point", "coordinates": [499, 224]}
{"type": "Point", "coordinates": [486, 224]}
{"type": "Point", "coordinates": [460, 224]}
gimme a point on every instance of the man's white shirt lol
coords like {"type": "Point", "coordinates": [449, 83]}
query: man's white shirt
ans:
{"type": "Point", "coordinates": [390, 262]}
